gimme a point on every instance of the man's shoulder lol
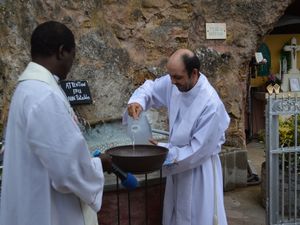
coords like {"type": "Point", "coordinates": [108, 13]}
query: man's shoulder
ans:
{"type": "Point", "coordinates": [28, 85]}
{"type": "Point", "coordinates": [164, 82]}
{"type": "Point", "coordinates": [164, 78]}
{"type": "Point", "coordinates": [33, 91]}
{"type": "Point", "coordinates": [160, 83]}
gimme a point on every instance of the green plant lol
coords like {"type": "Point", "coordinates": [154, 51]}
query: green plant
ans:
{"type": "Point", "coordinates": [287, 131]}
{"type": "Point", "coordinates": [287, 139]}
{"type": "Point", "coordinates": [261, 135]}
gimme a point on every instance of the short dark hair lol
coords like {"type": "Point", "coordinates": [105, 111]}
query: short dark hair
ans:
{"type": "Point", "coordinates": [48, 37]}
{"type": "Point", "coordinates": [190, 63]}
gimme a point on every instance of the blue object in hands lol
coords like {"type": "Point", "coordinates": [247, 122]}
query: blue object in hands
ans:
{"type": "Point", "coordinates": [96, 153]}
{"type": "Point", "coordinates": [168, 162]}
{"type": "Point", "coordinates": [128, 180]}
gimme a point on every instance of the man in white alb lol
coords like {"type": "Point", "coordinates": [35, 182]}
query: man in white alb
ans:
{"type": "Point", "coordinates": [197, 124]}
{"type": "Point", "coordinates": [49, 177]}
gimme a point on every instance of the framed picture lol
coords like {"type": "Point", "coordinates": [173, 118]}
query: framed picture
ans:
{"type": "Point", "coordinates": [294, 84]}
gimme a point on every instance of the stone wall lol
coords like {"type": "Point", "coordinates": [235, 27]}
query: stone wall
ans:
{"type": "Point", "coordinates": [120, 43]}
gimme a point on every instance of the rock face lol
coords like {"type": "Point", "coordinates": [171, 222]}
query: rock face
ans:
{"type": "Point", "coordinates": [122, 43]}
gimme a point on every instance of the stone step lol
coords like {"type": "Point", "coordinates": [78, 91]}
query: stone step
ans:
{"type": "Point", "coordinates": [234, 165]}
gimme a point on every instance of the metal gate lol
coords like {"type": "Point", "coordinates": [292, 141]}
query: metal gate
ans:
{"type": "Point", "coordinates": [282, 158]}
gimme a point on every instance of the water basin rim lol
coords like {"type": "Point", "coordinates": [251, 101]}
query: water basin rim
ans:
{"type": "Point", "coordinates": [138, 146]}
{"type": "Point", "coordinates": [159, 150]}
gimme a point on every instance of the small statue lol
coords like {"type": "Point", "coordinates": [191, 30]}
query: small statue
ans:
{"type": "Point", "coordinates": [293, 48]}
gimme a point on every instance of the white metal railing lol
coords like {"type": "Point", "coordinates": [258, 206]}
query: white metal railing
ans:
{"type": "Point", "coordinates": [282, 160]}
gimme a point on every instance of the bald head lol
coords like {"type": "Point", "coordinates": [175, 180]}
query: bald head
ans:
{"type": "Point", "coordinates": [183, 67]}
{"type": "Point", "coordinates": [177, 55]}
{"type": "Point", "coordinates": [184, 59]}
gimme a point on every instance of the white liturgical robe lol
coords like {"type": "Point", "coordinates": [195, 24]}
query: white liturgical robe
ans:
{"type": "Point", "coordinates": [197, 124]}
{"type": "Point", "coordinates": [48, 170]}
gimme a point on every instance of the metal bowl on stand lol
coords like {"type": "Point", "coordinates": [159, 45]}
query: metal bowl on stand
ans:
{"type": "Point", "coordinates": [138, 159]}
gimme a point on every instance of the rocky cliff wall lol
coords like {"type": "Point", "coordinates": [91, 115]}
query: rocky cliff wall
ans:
{"type": "Point", "coordinates": [120, 43]}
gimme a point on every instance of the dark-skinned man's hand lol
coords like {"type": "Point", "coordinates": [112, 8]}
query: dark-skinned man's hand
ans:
{"type": "Point", "coordinates": [106, 162]}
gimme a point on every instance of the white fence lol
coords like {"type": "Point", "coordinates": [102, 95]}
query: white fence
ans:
{"type": "Point", "coordinates": [282, 158]}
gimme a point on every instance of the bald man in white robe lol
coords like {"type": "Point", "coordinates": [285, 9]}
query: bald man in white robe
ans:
{"type": "Point", "coordinates": [197, 124]}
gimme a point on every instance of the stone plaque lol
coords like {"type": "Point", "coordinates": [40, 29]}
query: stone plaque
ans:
{"type": "Point", "coordinates": [215, 30]}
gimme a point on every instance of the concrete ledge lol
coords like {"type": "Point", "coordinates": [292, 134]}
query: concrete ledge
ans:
{"type": "Point", "coordinates": [234, 166]}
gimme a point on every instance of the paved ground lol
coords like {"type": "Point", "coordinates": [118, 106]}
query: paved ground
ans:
{"type": "Point", "coordinates": [243, 205]}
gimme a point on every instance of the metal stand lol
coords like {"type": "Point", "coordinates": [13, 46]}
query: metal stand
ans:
{"type": "Point", "coordinates": [146, 198]}
{"type": "Point", "coordinates": [118, 200]}
{"type": "Point", "coordinates": [146, 193]}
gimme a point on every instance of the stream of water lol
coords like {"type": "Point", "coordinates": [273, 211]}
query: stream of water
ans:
{"type": "Point", "coordinates": [108, 135]}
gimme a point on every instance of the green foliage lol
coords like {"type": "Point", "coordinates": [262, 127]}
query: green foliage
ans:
{"type": "Point", "coordinates": [287, 131]}
{"type": "Point", "coordinates": [287, 139]}
{"type": "Point", "coordinates": [261, 135]}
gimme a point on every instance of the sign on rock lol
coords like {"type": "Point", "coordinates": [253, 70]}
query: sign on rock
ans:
{"type": "Point", "coordinates": [77, 92]}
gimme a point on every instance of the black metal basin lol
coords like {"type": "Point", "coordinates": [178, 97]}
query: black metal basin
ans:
{"type": "Point", "coordinates": [141, 159]}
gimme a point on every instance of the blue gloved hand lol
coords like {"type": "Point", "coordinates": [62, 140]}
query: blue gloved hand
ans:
{"type": "Point", "coordinates": [168, 162]}
{"type": "Point", "coordinates": [171, 159]}
{"type": "Point", "coordinates": [96, 153]}
{"type": "Point", "coordinates": [128, 180]}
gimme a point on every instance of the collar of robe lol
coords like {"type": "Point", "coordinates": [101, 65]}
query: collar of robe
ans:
{"type": "Point", "coordinates": [35, 71]}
